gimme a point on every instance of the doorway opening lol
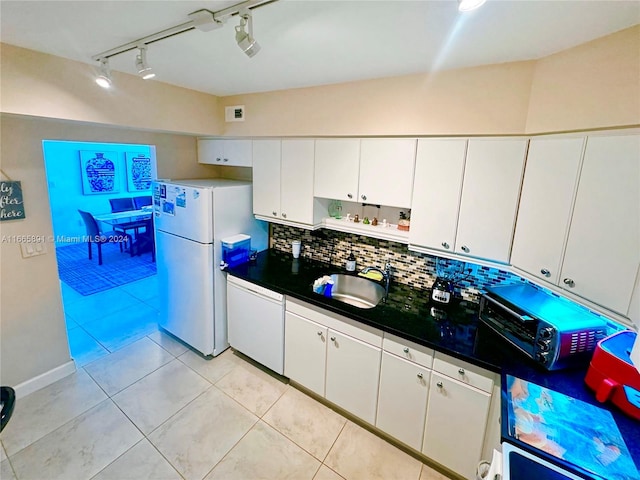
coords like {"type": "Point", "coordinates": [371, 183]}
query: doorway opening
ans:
{"type": "Point", "coordinates": [111, 303]}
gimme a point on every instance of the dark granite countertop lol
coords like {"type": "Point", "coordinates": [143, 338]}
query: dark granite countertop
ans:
{"type": "Point", "coordinates": [453, 330]}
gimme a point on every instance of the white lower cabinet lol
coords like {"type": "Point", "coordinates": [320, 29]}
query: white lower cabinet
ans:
{"type": "Point", "coordinates": [353, 370]}
{"type": "Point", "coordinates": [334, 357]}
{"type": "Point", "coordinates": [456, 424]}
{"type": "Point", "coordinates": [402, 399]}
{"type": "Point", "coordinates": [305, 351]}
{"type": "Point", "coordinates": [432, 403]}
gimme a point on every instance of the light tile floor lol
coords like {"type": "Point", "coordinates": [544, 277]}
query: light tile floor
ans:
{"type": "Point", "coordinates": [142, 405]}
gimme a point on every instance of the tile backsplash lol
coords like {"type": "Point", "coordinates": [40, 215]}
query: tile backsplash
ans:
{"type": "Point", "coordinates": [411, 268]}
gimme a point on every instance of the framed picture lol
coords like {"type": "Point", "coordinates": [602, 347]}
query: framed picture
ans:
{"type": "Point", "coordinates": [100, 172]}
{"type": "Point", "coordinates": [140, 172]}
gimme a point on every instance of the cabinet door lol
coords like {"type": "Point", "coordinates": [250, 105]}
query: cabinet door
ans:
{"type": "Point", "coordinates": [402, 399]}
{"type": "Point", "coordinates": [353, 370]}
{"type": "Point", "coordinates": [603, 249]}
{"type": "Point", "coordinates": [386, 171]}
{"type": "Point", "coordinates": [336, 169]}
{"type": "Point", "coordinates": [296, 181]}
{"type": "Point", "coordinates": [305, 347]}
{"type": "Point", "coordinates": [237, 153]}
{"type": "Point", "coordinates": [266, 178]}
{"type": "Point", "coordinates": [490, 190]}
{"type": "Point", "coordinates": [545, 205]}
{"type": "Point", "coordinates": [436, 192]}
{"type": "Point", "coordinates": [455, 426]}
{"type": "Point", "coordinates": [210, 151]}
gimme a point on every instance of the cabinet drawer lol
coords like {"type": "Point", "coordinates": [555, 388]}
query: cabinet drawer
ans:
{"type": "Point", "coordinates": [408, 350]}
{"type": "Point", "coordinates": [358, 330]}
{"type": "Point", "coordinates": [463, 372]}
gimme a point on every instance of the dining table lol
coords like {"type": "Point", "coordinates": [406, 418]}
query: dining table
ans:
{"type": "Point", "coordinates": [128, 220]}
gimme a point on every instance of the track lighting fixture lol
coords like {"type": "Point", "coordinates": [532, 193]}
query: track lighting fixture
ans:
{"type": "Point", "coordinates": [468, 5]}
{"type": "Point", "coordinates": [244, 39]}
{"type": "Point", "coordinates": [203, 20]}
{"type": "Point", "coordinates": [103, 78]}
{"type": "Point", "coordinates": [144, 70]}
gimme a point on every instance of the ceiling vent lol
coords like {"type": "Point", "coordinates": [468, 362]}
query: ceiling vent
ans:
{"type": "Point", "coordinates": [234, 114]}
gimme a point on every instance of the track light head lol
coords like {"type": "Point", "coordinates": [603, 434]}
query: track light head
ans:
{"type": "Point", "coordinates": [103, 79]}
{"type": "Point", "coordinates": [468, 5]}
{"type": "Point", "coordinates": [144, 70]}
{"type": "Point", "coordinates": [245, 39]}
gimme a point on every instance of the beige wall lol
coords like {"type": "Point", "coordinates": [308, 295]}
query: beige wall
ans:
{"type": "Point", "coordinates": [482, 100]}
{"type": "Point", "coordinates": [33, 338]}
{"type": "Point", "coordinates": [594, 85]}
{"type": "Point", "coordinates": [37, 84]}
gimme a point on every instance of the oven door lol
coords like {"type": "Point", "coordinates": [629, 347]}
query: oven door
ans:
{"type": "Point", "coordinates": [518, 464]}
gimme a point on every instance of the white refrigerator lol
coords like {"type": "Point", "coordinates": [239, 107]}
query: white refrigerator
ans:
{"type": "Point", "coordinates": [190, 219]}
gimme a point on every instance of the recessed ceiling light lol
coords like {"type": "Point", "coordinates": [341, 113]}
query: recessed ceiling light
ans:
{"type": "Point", "coordinates": [468, 5]}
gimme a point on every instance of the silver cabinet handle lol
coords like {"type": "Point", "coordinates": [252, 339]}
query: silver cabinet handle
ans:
{"type": "Point", "coordinates": [225, 159]}
{"type": "Point", "coordinates": [445, 245]}
{"type": "Point", "coordinates": [545, 272]}
{"type": "Point", "coordinates": [349, 195]}
{"type": "Point", "coordinates": [320, 333]}
{"type": "Point", "coordinates": [405, 349]}
{"type": "Point", "coordinates": [275, 214]}
{"type": "Point", "coordinates": [439, 385]}
{"type": "Point", "coordinates": [333, 339]}
{"type": "Point", "coordinates": [420, 376]}
{"type": "Point", "coordinates": [465, 249]}
{"type": "Point", "coordinates": [363, 197]}
{"type": "Point", "coordinates": [284, 215]}
{"type": "Point", "coordinates": [569, 282]}
{"type": "Point", "coordinates": [461, 371]}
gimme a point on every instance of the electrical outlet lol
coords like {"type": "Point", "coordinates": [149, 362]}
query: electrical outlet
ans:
{"type": "Point", "coordinates": [32, 249]}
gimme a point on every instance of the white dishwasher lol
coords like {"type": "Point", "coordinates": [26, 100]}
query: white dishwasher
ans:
{"type": "Point", "coordinates": [255, 319]}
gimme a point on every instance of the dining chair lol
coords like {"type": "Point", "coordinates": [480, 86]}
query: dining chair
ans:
{"type": "Point", "coordinates": [95, 235]}
{"type": "Point", "coordinates": [145, 241]}
{"type": "Point", "coordinates": [139, 202]}
{"type": "Point", "coordinates": [121, 204]}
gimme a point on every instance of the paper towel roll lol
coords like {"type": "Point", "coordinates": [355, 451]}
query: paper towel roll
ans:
{"type": "Point", "coordinates": [635, 353]}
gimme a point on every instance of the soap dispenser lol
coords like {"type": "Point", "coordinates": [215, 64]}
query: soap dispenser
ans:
{"type": "Point", "coordinates": [351, 262]}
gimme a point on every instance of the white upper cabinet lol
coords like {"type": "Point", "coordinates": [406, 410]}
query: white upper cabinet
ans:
{"type": "Point", "coordinates": [336, 169]}
{"type": "Point", "coordinates": [378, 171]}
{"type": "Point", "coordinates": [296, 181]}
{"type": "Point", "coordinates": [386, 171]}
{"type": "Point", "coordinates": [603, 248]}
{"type": "Point", "coordinates": [266, 178]}
{"type": "Point", "coordinates": [227, 152]}
{"type": "Point", "coordinates": [548, 190]}
{"type": "Point", "coordinates": [436, 192]}
{"type": "Point", "coordinates": [490, 192]}
{"type": "Point", "coordinates": [283, 181]}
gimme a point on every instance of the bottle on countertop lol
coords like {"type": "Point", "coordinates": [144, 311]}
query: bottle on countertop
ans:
{"type": "Point", "coordinates": [351, 262]}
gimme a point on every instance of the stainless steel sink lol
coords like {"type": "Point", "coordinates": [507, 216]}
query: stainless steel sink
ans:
{"type": "Point", "coordinates": [356, 291]}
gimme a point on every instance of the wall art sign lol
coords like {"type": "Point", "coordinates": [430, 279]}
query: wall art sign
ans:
{"type": "Point", "coordinates": [139, 172]}
{"type": "Point", "coordinates": [11, 205]}
{"type": "Point", "coordinates": [100, 172]}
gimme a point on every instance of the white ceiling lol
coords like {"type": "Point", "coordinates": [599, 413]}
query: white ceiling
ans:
{"type": "Point", "coordinates": [312, 42]}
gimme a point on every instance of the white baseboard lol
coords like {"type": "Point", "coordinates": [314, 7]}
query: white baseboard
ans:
{"type": "Point", "coordinates": [47, 378]}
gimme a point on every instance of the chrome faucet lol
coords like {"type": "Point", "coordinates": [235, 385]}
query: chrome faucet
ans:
{"type": "Point", "coordinates": [386, 276]}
